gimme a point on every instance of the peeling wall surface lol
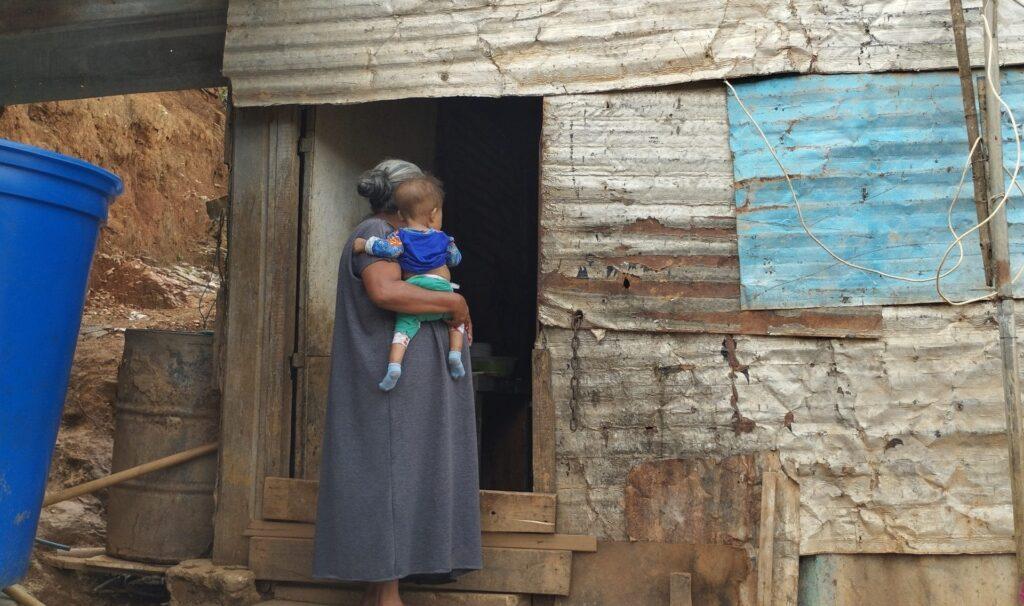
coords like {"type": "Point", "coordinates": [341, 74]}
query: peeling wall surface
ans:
{"type": "Point", "coordinates": [875, 160]}
{"type": "Point", "coordinates": [897, 443]}
{"type": "Point", "coordinates": [637, 222]}
{"type": "Point", "coordinates": [334, 51]}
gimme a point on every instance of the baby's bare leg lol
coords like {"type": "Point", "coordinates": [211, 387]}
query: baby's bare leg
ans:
{"type": "Point", "coordinates": [455, 337]}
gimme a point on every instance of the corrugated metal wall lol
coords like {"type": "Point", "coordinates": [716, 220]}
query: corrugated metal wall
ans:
{"type": "Point", "coordinates": [70, 49]}
{"type": "Point", "coordinates": [637, 221]}
{"type": "Point", "coordinates": [897, 443]}
{"type": "Point", "coordinates": [875, 160]}
{"type": "Point", "coordinates": [334, 51]}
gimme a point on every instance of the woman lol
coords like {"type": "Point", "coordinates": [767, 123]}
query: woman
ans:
{"type": "Point", "coordinates": [399, 493]}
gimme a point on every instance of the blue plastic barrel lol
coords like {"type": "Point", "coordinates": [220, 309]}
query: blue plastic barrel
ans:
{"type": "Point", "coordinates": [51, 209]}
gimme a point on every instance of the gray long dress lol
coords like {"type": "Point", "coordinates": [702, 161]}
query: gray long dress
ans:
{"type": "Point", "coordinates": [399, 492]}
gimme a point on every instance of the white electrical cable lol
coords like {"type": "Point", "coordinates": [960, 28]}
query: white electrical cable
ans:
{"type": "Point", "coordinates": [1008, 190]}
{"type": "Point", "coordinates": [800, 213]}
{"type": "Point", "coordinates": [957, 238]}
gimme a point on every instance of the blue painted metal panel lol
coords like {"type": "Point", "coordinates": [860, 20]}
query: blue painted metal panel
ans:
{"type": "Point", "coordinates": [875, 160]}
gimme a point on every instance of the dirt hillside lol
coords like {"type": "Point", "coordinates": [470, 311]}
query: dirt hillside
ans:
{"type": "Point", "coordinates": [154, 269]}
{"type": "Point", "coordinates": [167, 147]}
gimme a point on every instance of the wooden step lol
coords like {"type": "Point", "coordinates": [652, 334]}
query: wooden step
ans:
{"type": "Point", "coordinates": [506, 570]}
{"type": "Point", "coordinates": [292, 500]}
{"type": "Point", "coordinates": [516, 540]}
{"type": "Point", "coordinates": [304, 594]}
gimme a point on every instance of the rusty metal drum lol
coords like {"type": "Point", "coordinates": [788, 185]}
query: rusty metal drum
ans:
{"type": "Point", "coordinates": [167, 402]}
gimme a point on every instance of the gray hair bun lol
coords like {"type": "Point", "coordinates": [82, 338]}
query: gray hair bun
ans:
{"type": "Point", "coordinates": [374, 185]}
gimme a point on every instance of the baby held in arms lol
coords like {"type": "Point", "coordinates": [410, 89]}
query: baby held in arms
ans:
{"type": "Point", "coordinates": [424, 253]}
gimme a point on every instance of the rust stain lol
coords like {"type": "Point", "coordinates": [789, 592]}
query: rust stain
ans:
{"type": "Point", "coordinates": [653, 227]}
{"type": "Point", "coordinates": [740, 423]}
{"type": "Point", "coordinates": [865, 322]}
{"type": "Point", "coordinates": [695, 500]}
{"type": "Point", "coordinates": [663, 262]}
{"type": "Point", "coordinates": [625, 283]}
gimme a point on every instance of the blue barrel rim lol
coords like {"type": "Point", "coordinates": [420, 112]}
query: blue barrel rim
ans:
{"type": "Point", "coordinates": [60, 166]}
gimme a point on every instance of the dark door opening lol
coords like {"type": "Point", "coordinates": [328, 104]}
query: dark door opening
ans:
{"type": "Point", "coordinates": [487, 154]}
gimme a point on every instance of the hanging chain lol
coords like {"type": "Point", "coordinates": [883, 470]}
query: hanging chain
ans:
{"type": "Point", "coordinates": [574, 366]}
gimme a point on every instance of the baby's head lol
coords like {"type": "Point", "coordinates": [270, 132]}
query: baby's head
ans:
{"type": "Point", "coordinates": [419, 200]}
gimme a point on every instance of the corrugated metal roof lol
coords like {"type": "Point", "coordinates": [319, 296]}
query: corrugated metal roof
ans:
{"type": "Point", "coordinates": [69, 49]}
{"type": "Point", "coordinates": [336, 51]}
{"type": "Point", "coordinates": [876, 158]}
{"type": "Point", "coordinates": [637, 222]}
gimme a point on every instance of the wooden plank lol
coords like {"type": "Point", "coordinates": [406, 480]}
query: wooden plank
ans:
{"type": "Point", "coordinates": [70, 49]}
{"type": "Point", "coordinates": [100, 564]}
{"type": "Point", "coordinates": [290, 499]}
{"type": "Point", "coordinates": [505, 570]}
{"type": "Point", "coordinates": [514, 540]}
{"type": "Point", "coordinates": [766, 540]}
{"type": "Point", "coordinates": [293, 500]}
{"type": "Point", "coordinates": [679, 589]}
{"type": "Point", "coordinates": [639, 573]}
{"type": "Point", "coordinates": [262, 244]}
{"type": "Point", "coordinates": [517, 511]}
{"type": "Point", "coordinates": [343, 596]}
{"type": "Point", "coordinates": [544, 465]}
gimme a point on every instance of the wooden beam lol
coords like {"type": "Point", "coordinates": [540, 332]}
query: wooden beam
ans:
{"type": "Point", "coordinates": [544, 467]}
{"type": "Point", "coordinates": [256, 404]}
{"type": "Point", "coordinates": [679, 589]}
{"type": "Point", "coordinates": [963, 62]}
{"type": "Point", "coordinates": [505, 570]}
{"type": "Point", "coordinates": [513, 540]}
{"type": "Point", "coordinates": [292, 500]}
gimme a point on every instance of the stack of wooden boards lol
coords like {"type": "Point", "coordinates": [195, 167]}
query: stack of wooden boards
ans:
{"type": "Point", "coordinates": [522, 553]}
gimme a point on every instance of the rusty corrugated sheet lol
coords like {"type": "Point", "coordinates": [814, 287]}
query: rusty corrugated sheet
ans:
{"type": "Point", "coordinates": [637, 220]}
{"type": "Point", "coordinates": [70, 49]}
{"type": "Point", "coordinates": [875, 160]}
{"type": "Point", "coordinates": [898, 443]}
{"type": "Point", "coordinates": [336, 51]}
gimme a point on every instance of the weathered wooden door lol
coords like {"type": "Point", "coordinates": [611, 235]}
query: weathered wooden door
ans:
{"type": "Point", "coordinates": [340, 142]}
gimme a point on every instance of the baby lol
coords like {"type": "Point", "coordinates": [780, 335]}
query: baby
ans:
{"type": "Point", "coordinates": [424, 253]}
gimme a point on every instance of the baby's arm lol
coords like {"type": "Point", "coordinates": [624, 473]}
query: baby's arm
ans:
{"type": "Point", "coordinates": [454, 255]}
{"type": "Point", "coordinates": [386, 248]}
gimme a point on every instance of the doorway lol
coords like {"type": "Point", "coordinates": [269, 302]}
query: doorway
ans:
{"type": "Point", "coordinates": [486, 151]}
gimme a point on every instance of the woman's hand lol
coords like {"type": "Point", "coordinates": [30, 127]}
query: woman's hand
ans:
{"type": "Point", "coordinates": [460, 316]}
{"type": "Point", "coordinates": [359, 246]}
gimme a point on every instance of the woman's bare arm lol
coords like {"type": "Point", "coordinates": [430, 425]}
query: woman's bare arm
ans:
{"type": "Point", "coordinates": [387, 290]}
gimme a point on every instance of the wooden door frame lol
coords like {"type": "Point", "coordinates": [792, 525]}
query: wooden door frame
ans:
{"type": "Point", "coordinates": [259, 336]}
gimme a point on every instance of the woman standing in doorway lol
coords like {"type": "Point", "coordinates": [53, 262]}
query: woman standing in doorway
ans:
{"type": "Point", "coordinates": [399, 493]}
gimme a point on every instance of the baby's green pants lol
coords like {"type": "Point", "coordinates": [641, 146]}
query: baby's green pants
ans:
{"type": "Point", "coordinates": [409, 324]}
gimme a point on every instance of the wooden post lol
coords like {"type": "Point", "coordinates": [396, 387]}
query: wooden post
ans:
{"type": "Point", "coordinates": [544, 466]}
{"type": "Point", "coordinates": [1004, 287]}
{"type": "Point", "coordinates": [963, 61]}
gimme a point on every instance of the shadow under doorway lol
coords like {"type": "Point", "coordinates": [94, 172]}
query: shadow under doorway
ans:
{"type": "Point", "coordinates": [487, 155]}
